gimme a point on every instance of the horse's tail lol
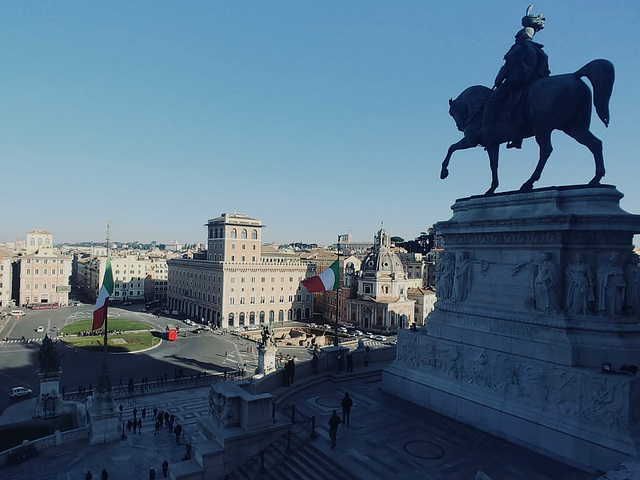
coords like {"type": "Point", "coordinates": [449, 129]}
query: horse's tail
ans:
{"type": "Point", "coordinates": [601, 75]}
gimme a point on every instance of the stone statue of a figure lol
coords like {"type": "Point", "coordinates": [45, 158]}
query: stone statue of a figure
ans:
{"type": "Point", "coordinates": [267, 336]}
{"type": "Point", "coordinates": [48, 356]}
{"type": "Point", "coordinates": [545, 284]}
{"type": "Point", "coordinates": [579, 292]}
{"type": "Point", "coordinates": [523, 63]}
{"type": "Point", "coordinates": [462, 277]}
{"type": "Point", "coordinates": [444, 280]}
{"type": "Point", "coordinates": [611, 287]}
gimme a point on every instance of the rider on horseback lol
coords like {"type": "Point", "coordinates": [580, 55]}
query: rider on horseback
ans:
{"type": "Point", "coordinates": [525, 62]}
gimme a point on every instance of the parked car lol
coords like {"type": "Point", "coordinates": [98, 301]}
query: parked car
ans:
{"type": "Point", "coordinates": [18, 313]}
{"type": "Point", "coordinates": [349, 325]}
{"type": "Point", "coordinates": [358, 333]}
{"type": "Point", "coordinates": [369, 335]}
{"type": "Point", "coordinates": [342, 330]}
{"type": "Point", "coordinates": [17, 392]}
{"type": "Point", "coordinates": [40, 329]}
{"type": "Point", "coordinates": [175, 312]}
{"type": "Point", "coordinates": [380, 338]}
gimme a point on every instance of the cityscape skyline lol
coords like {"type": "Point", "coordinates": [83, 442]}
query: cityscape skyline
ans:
{"type": "Point", "coordinates": [316, 118]}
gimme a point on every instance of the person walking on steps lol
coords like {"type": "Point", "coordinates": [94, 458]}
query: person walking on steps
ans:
{"type": "Point", "coordinates": [334, 421]}
{"type": "Point", "coordinates": [346, 403]}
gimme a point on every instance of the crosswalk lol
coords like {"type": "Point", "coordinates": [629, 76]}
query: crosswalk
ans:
{"type": "Point", "coordinates": [20, 340]}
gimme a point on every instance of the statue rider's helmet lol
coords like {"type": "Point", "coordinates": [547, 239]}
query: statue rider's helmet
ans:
{"type": "Point", "coordinates": [533, 20]}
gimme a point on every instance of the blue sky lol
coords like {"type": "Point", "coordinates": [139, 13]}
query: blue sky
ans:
{"type": "Point", "coordinates": [316, 117]}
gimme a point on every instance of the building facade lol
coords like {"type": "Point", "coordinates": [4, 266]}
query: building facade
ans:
{"type": "Point", "coordinates": [381, 301]}
{"type": "Point", "coordinates": [42, 275]}
{"type": "Point", "coordinates": [238, 285]}
{"type": "Point", "coordinates": [6, 275]}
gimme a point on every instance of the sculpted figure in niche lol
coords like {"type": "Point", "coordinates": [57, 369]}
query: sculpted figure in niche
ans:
{"type": "Point", "coordinates": [611, 287]}
{"type": "Point", "coordinates": [445, 271]}
{"type": "Point", "coordinates": [545, 285]}
{"type": "Point", "coordinates": [579, 286]}
{"type": "Point", "coordinates": [632, 278]}
{"type": "Point", "coordinates": [462, 277]}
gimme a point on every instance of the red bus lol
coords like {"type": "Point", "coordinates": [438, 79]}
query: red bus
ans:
{"type": "Point", "coordinates": [171, 332]}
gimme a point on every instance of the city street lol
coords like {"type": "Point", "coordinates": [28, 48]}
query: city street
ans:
{"type": "Point", "coordinates": [192, 352]}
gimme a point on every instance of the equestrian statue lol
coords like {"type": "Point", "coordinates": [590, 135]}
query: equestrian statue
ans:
{"type": "Point", "coordinates": [526, 102]}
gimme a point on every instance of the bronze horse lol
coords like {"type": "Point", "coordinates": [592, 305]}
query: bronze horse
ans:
{"type": "Point", "coordinates": [559, 102]}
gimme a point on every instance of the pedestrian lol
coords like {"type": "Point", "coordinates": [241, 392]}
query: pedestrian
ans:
{"type": "Point", "coordinates": [178, 431]}
{"type": "Point", "coordinates": [157, 428]}
{"type": "Point", "coordinates": [165, 468]}
{"type": "Point", "coordinates": [88, 476]}
{"type": "Point", "coordinates": [349, 362]}
{"type": "Point", "coordinates": [144, 412]}
{"type": "Point", "coordinates": [135, 413]}
{"type": "Point", "coordinates": [139, 425]}
{"type": "Point", "coordinates": [334, 421]}
{"type": "Point", "coordinates": [346, 403]}
{"type": "Point", "coordinates": [166, 418]}
{"type": "Point", "coordinates": [367, 356]}
{"type": "Point", "coordinates": [152, 473]}
{"type": "Point", "coordinates": [292, 369]}
{"type": "Point", "coordinates": [104, 475]}
{"type": "Point", "coordinates": [188, 451]}
{"type": "Point", "coordinates": [129, 425]}
{"type": "Point", "coordinates": [120, 408]}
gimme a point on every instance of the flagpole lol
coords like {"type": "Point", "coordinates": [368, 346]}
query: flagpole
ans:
{"type": "Point", "coordinates": [336, 342]}
{"type": "Point", "coordinates": [106, 349]}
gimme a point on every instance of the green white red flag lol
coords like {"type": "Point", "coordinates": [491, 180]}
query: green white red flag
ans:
{"type": "Point", "coordinates": [100, 309]}
{"type": "Point", "coordinates": [327, 280]}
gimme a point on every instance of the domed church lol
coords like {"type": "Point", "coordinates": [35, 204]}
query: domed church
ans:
{"type": "Point", "coordinates": [381, 302]}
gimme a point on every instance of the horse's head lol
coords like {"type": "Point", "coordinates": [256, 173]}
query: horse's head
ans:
{"type": "Point", "coordinates": [468, 101]}
{"type": "Point", "coordinates": [459, 114]}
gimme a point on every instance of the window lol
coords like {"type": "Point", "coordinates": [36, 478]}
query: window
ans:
{"type": "Point", "coordinates": [253, 258]}
{"type": "Point", "coordinates": [272, 299]}
{"type": "Point", "coordinates": [243, 233]}
{"type": "Point", "coordinates": [243, 258]}
{"type": "Point", "coordinates": [231, 320]}
{"type": "Point", "coordinates": [254, 234]}
{"type": "Point", "coordinates": [281, 298]}
{"type": "Point", "coordinates": [233, 233]}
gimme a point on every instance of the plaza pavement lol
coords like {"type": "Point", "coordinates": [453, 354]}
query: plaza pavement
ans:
{"type": "Point", "coordinates": [388, 438]}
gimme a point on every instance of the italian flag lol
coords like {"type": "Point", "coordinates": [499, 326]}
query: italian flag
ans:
{"type": "Point", "coordinates": [100, 309]}
{"type": "Point", "coordinates": [327, 280]}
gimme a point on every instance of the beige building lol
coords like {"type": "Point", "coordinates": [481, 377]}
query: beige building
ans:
{"type": "Point", "coordinates": [43, 273]}
{"type": "Point", "coordinates": [129, 277]}
{"type": "Point", "coordinates": [382, 301]}
{"type": "Point", "coordinates": [6, 278]}
{"type": "Point", "coordinates": [238, 284]}
{"type": "Point", "coordinates": [157, 274]}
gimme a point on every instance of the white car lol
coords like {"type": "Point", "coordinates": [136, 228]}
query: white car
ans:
{"type": "Point", "coordinates": [40, 329]}
{"type": "Point", "coordinates": [380, 338]}
{"type": "Point", "coordinates": [175, 312]}
{"type": "Point", "coordinates": [358, 333]}
{"type": "Point", "coordinates": [17, 392]}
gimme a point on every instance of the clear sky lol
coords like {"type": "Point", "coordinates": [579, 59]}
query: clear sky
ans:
{"type": "Point", "coordinates": [318, 117]}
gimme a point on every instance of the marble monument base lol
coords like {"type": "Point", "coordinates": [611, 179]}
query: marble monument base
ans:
{"type": "Point", "coordinates": [266, 359]}
{"type": "Point", "coordinates": [536, 329]}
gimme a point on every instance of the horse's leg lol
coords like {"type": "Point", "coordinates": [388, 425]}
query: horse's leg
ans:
{"type": "Point", "coordinates": [492, 151]}
{"type": "Point", "coordinates": [544, 142]}
{"type": "Point", "coordinates": [461, 145]}
{"type": "Point", "coordinates": [594, 144]}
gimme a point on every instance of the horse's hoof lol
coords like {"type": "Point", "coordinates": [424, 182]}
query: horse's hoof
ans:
{"type": "Point", "coordinates": [444, 173]}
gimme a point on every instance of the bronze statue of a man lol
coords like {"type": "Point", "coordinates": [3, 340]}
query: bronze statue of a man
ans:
{"type": "Point", "coordinates": [524, 63]}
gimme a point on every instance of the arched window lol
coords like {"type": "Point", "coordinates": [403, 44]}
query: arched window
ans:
{"type": "Point", "coordinates": [32, 242]}
{"type": "Point", "coordinates": [281, 316]}
{"type": "Point", "coordinates": [252, 318]}
{"type": "Point", "coordinates": [254, 234]}
{"type": "Point", "coordinates": [243, 233]}
{"type": "Point", "coordinates": [298, 314]}
{"type": "Point", "coordinates": [231, 319]}
{"type": "Point", "coordinates": [241, 319]}
{"type": "Point", "coordinates": [211, 232]}
{"type": "Point", "coordinates": [272, 316]}
{"type": "Point", "coordinates": [261, 317]}
{"type": "Point", "coordinates": [233, 233]}
{"type": "Point", "coordinates": [307, 313]}
{"type": "Point", "coordinates": [289, 314]}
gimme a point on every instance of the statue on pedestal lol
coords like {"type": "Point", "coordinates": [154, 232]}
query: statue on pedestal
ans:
{"type": "Point", "coordinates": [48, 356]}
{"type": "Point", "coordinates": [267, 336]}
{"type": "Point", "coordinates": [526, 102]}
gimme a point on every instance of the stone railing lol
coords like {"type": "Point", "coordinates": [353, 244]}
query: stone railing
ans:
{"type": "Point", "coordinates": [40, 444]}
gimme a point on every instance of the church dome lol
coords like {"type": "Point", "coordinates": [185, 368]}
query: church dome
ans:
{"type": "Point", "coordinates": [381, 261]}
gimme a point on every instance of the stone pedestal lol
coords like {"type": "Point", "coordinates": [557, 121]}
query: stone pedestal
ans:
{"type": "Point", "coordinates": [266, 359]}
{"type": "Point", "coordinates": [105, 425]}
{"type": "Point", "coordinates": [49, 401]}
{"type": "Point", "coordinates": [241, 424]}
{"type": "Point", "coordinates": [536, 291]}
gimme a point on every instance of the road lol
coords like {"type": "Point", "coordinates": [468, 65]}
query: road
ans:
{"type": "Point", "coordinates": [193, 353]}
